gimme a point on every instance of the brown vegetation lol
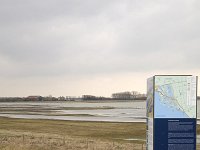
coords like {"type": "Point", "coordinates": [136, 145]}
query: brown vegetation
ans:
{"type": "Point", "coordinates": [21, 134]}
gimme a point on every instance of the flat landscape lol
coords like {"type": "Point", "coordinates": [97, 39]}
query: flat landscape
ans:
{"type": "Point", "coordinates": [21, 134]}
{"type": "Point", "coordinates": [40, 126]}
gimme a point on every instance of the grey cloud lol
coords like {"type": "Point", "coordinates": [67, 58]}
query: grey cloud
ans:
{"type": "Point", "coordinates": [52, 38]}
{"type": "Point", "coordinates": [33, 11]}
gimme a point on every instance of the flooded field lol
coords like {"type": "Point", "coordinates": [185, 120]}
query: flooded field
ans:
{"type": "Point", "coordinates": [134, 111]}
{"type": "Point", "coordinates": [84, 111]}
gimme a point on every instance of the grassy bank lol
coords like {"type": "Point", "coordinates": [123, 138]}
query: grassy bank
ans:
{"type": "Point", "coordinates": [57, 134]}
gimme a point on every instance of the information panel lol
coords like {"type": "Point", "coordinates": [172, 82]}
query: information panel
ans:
{"type": "Point", "coordinates": [173, 123]}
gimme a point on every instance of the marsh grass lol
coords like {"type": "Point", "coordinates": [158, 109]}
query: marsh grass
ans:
{"type": "Point", "coordinates": [51, 143]}
{"type": "Point", "coordinates": [20, 134]}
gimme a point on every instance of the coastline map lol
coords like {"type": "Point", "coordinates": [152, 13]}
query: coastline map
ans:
{"type": "Point", "coordinates": [175, 97]}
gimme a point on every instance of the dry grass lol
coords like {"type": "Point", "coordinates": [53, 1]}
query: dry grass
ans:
{"type": "Point", "coordinates": [75, 135]}
{"type": "Point", "coordinates": [44, 142]}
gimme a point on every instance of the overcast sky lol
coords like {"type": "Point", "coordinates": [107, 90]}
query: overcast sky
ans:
{"type": "Point", "coordinates": [75, 47]}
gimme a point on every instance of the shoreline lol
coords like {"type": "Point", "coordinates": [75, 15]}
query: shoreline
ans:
{"type": "Point", "coordinates": [68, 101]}
{"type": "Point", "coordinates": [79, 120]}
{"type": "Point", "coordinates": [89, 101]}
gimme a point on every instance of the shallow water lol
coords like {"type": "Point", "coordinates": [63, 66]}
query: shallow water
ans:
{"type": "Point", "coordinates": [127, 111]}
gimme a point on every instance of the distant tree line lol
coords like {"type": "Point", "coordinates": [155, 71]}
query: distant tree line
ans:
{"type": "Point", "coordinates": [29, 98]}
{"type": "Point", "coordinates": [92, 97]}
{"type": "Point", "coordinates": [11, 99]}
{"type": "Point", "coordinates": [129, 96]}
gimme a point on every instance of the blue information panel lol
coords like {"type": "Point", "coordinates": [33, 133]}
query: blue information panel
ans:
{"type": "Point", "coordinates": [173, 123]}
{"type": "Point", "coordinates": [175, 134]}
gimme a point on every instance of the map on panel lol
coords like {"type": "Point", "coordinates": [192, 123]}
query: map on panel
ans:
{"type": "Point", "coordinates": [175, 97]}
